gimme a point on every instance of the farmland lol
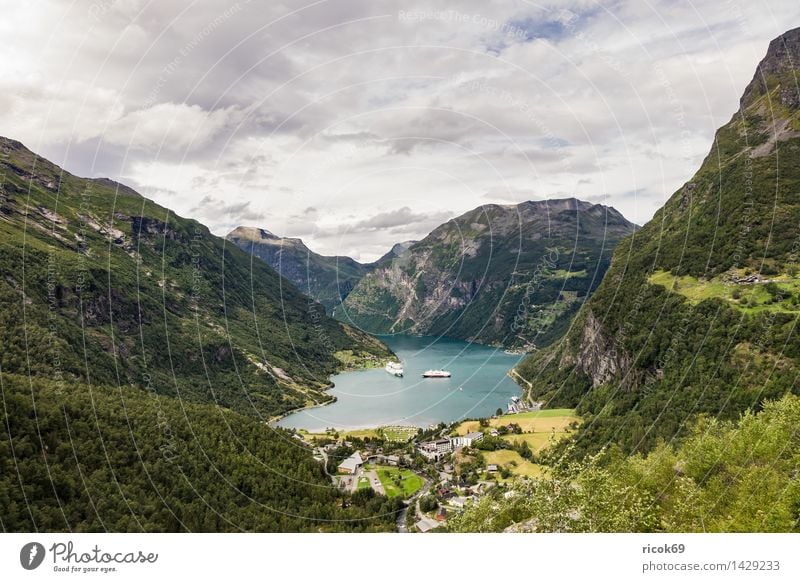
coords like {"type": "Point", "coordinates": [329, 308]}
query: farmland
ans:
{"type": "Point", "coordinates": [513, 462]}
{"type": "Point", "coordinates": [778, 294]}
{"type": "Point", "coordinates": [538, 421]}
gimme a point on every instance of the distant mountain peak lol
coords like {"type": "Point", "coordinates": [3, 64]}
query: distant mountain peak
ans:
{"type": "Point", "coordinates": [251, 233]}
{"type": "Point", "coordinates": [323, 278]}
{"type": "Point", "coordinates": [467, 278]}
{"type": "Point", "coordinates": [8, 143]}
{"type": "Point", "coordinates": [397, 250]}
{"type": "Point", "coordinates": [778, 67]}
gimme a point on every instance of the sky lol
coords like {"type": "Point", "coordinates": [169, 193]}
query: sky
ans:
{"type": "Point", "coordinates": [358, 124]}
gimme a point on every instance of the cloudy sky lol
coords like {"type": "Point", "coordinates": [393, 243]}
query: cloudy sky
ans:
{"type": "Point", "coordinates": [356, 124]}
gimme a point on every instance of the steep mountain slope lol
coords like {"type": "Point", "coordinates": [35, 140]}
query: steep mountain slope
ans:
{"type": "Point", "coordinates": [85, 458]}
{"type": "Point", "coordinates": [100, 284]}
{"type": "Point", "coordinates": [725, 477]}
{"type": "Point", "coordinates": [325, 279]}
{"type": "Point", "coordinates": [698, 310]}
{"type": "Point", "coordinates": [506, 275]}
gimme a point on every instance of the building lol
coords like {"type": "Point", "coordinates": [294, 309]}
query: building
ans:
{"type": "Point", "coordinates": [435, 450]}
{"type": "Point", "coordinates": [466, 440]}
{"type": "Point", "coordinates": [351, 464]}
{"type": "Point", "coordinates": [492, 468]}
{"type": "Point", "coordinates": [392, 460]}
{"type": "Point", "coordinates": [458, 501]}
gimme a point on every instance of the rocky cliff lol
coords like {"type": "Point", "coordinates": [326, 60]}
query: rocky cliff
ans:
{"type": "Point", "coordinates": [506, 275]}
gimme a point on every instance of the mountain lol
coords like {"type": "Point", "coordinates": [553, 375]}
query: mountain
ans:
{"type": "Point", "coordinates": [81, 458]}
{"type": "Point", "coordinates": [102, 285]}
{"type": "Point", "coordinates": [398, 250]}
{"type": "Point", "coordinates": [697, 312]}
{"type": "Point", "coordinates": [325, 279]}
{"type": "Point", "coordinates": [507, 275]}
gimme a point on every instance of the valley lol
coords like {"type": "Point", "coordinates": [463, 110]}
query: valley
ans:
{"type": "Point", "coordinates": [540, 366]}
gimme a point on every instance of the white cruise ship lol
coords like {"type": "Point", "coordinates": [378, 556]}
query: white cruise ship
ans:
{"type": "Point", "coordinates": [436, 374]}
{"type": "Point", "coordinates": [395, 369]}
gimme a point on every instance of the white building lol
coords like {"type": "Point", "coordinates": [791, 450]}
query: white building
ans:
{"type": "Point", "coordinates": [466, 440]}
{"type": "Point", "coordinates": [435, 450]}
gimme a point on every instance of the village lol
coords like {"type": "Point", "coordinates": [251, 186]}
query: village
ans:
{"type": "Point", "coordinates": [440, 470]}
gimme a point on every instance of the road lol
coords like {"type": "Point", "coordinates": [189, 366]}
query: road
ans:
{"type": "Point", "coordinates": [375, 482]}
{"type": "Point", "coordinates": [401, 520]}
{"type": "Point", "coordinates": [324, 456]}
{"type": "Point", "coordinates": [402, 516]}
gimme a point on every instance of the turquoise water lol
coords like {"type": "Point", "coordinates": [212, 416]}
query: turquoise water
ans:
{"type": "Point", "coordinates": [369, 398]}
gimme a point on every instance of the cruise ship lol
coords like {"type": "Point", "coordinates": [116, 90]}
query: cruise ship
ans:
{"type": "Point", "coordinates": [436, 374]}
{"type": "Point", "coordinates": [395, 369]}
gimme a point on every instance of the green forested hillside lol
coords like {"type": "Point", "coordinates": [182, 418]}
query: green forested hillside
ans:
{"type": "Point", "coordinates": [98, 283]}
{"type": "Point", "coordinates": [726, 477]}
{"type": "Point", "coordinates": [506, 275]}
{"type": "Point", "coordinates": [698, 310]}
{"type": "Point", "coordinates": [140, 355]}
{"type": "Point", "coordinates": [86, 458]}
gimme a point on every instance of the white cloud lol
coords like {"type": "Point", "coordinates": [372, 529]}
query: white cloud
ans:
{"type": "Point", "coordinates": [362, 108]}
{"type": "Point", "coordinates": [175, 126]}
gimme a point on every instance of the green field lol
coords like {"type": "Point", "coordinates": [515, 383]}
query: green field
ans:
{"type": "Point", "coordinates": [540, 428]}
{"type": "Point", "coordinates": [513, 462]}
{"type": "Point", "coordinates": [563, 274]}
{"type": "Point", "coordinates": [549, 420]}
{"type": "Point", "coordinates": [398, 434]}
{"type": "Point", "coordinates": [537, 441]}
{"type": "Point", "coordinates": [358, 361]}
{"type": "Point", "coordinates": [750, 298]}
{"type": "Point", "coordinates": [398, 482]}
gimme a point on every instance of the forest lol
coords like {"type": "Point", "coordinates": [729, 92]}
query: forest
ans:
{"type": "Point", "coordinates": [82, 458]}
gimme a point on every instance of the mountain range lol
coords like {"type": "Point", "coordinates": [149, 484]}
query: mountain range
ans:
{"type": "Point", "coordinates": [117, 289]}
{"type": "Point", "coordinates": [142, 355]}
{"type": "Point", "coordinates": [325, 279]}
{"type": "Point", "coordinates": [509, 275]}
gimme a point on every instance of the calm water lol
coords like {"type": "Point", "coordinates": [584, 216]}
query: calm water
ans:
{"type": "Point", "coordinates": [369, 398]}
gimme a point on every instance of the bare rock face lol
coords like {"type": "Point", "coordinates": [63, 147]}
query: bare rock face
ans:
{"type": "Point", "coordinates": [780, 65]}
{"type": "Point", "coordinates": [598, 356]}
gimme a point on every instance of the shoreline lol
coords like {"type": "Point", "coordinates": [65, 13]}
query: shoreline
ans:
{"type": "Point", "coordinates": [352, 421]}
{"type": "Point", "coordinates": [273, 421]}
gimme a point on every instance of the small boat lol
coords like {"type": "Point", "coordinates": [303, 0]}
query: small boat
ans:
{"type": "Point", "coordinates": [395, 369]}
{"type": "Point", "coordinates": [436, 374]}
